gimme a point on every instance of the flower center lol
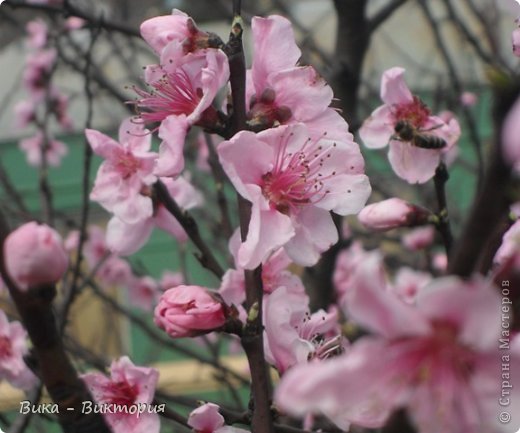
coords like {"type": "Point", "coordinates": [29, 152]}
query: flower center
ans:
{"type": "Point", "coordinates": [121, 393]}
{"type": "Point", "coordinates": [440, 353]}
{"type": "Point", "coordinates": [172, 94]}
{"type": "Point", "coordinates": [5, 347]}
{"type": "Point", "coordinates": [127, 164]}
{"type": "Point", "coordinates": [415, 112]}
{"type": "Point", "coordinates": [265, 113]}
{"type": "Point", "coordinates": [296, 180]}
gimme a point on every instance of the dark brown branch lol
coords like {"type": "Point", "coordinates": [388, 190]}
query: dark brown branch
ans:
{"type": "Point", "coordinates": [207, 259]}
{"type": "Point", "coordinates": [443, 226]}
{"type": "Point", "coordinates": [54, 366]}
{"type": "Point", "coordinates": [252, 338]}
{"type": "Point", "coordinates": [494, 198]}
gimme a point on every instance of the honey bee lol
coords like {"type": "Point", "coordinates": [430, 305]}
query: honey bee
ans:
{"type": "Point", "coordinates": [405, 131]}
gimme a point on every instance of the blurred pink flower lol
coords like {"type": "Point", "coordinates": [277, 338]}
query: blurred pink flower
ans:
{"type": "Point", "coordinates": [439, 361]}
{"type": "Point", "coordinates": [292, 335]}
{"type": "Point", "coordinates": [111, 269]}
{"type": "Point", "coordinates": [419, 238]}
{"type": "Point", "coordinates": [124, 238]}
{"type": "Point", "coordinates": [510, 247]}
{"type": "Point", "coordinates": [13, 348]}
{"type": "Point", "coordinates": [24, 113]}
{"type": "Point", "coordinates": [468, 99]}
{"type": "Point", "coordinates": [515, 40]}
{"type": "Point", "coordinates": [74, 23]}
{"type": "Point", "coordinates": [126, 172]}
{"type": "Point", "coordinates": [37, 31]}
{"type": "Point", "coordinates": [511, 137]}
{"type": "Point", "coordinates": [347, 262]}
{"type": "Point", "coordinates": [188, 311]}
{"type": "Point", "coordinates": [207, 419]}
{"type": "Point", "coordinates": [408, 283]}
{"type": "Point", "coordinates": [34, 255]}
{"type": "Point", "coordinates": [293, 181]}
{"type": "Point", "coordinates": [279, 92]}
{"type": "Point", "coordinates": [440, 262]}
{"type": "Point", "coordinates": [410, 162]}
{"type": "Point", "coordinates": [33, 146]}
{"type": "Point", "coordinates": [143, 292]}
{"type": "Point", "coordinates": [128, 386]}
{"type": "Point", "coordinates": [170, 279]}
{"type": "Point", "coordinates": [37, 71]}
{"type": "Point", "coordinates": [392, 213]}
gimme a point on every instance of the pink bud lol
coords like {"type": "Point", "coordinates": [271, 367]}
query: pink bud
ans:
{"type": "Point", "coordinates": [188, 311]}
{"type": "Point", "coordinates": [419, 238]}
{"type": "Point", "coordinates": [468, 99]}
{"type": "Point", "coordinates": [34, 255]}
{"type": "Point", "coordinates": [392, 213]}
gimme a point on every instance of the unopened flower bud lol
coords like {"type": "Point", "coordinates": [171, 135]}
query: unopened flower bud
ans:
{"type": "Point", "coordinates": [188, 311]}
{"type": "Point", "coordinates": [35, 256]}
{"type": "Point", "coordinates": [392, 213]}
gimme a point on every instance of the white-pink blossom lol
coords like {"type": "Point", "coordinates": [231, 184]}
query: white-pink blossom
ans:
{"type": "Point", "coordinates": [439, 361]}
{"type": "Point", "coordinates": [13, 348]}
{"type": "Point", "coordinates": [39, 146]}
{"type": "Point", "coordinates": [123, 178]}
{"type": "Point", "coordinates": [293, 181]}
{"type": "Point", "coordinates": [410, 162]}
{"type": "Point", "coordinates": [127, 386]}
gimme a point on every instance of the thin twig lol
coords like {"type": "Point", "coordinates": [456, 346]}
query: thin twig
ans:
{"type": "Point", "coordinates": [443, 226]}
{"type": "Point", "coordinates": [384, 13]}
{"type": "Point", "coordinates": [206, 258]}
{"type": "Point", "coordinates": [69, 9]}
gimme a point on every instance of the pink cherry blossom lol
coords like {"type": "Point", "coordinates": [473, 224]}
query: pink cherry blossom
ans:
{"type": "Point", "coordinates": [188, 311]}
{"type": "Point", "coordinates": [207, 419]}
{"type": "Point", "coordinates": [143, 292]}
{"type": "Point", "coordinates": [510, 247]}
{"type": "Point", "coordinates": [293, 181]}
{"type": "Point", "coordinates": [124, 238]}
{"type": "Point", "coordinates": [511, 137]}
{"type": "Point", "coordinates": [347, 262]}
{"type": "Point", "coordinates": [278, 92]}
{"type": "Point", "coordinates": [468, 99]}
{"type": "Point", "coordinates": [274, 276]}
{"type": "Point", "coordinates": [37, 33]}
{"type": "Point", "coordinates": [122, 181]}
{"type": "Point", "coordinates": [292, 335]}
{"type": "Point", "coordinates": [419, 238]}
{"type": "Point", "coordinates": [177, 28]}
{"type": "Point", "coordinates": [110, 268]}
{"type": "Point", "coordinates": [411, 163]}
{"type": "Point", "coordinates": [74, 23]}
{"type": "Point", "coordinates": [127, 386]}
{"type": "Point", "coordinates": [515, 40]}
{"type": "Point", "coordinates": [170, 279]}
{"type": "Point", "coordinates": [34, 255]}
{"type": "Point", "coordinates": [392, 213]}
{"type": "Point", "coordinates": [440, 262]}
{"type": "Point", "coordinates": [439, 361]}
{"type": "Point", "coordinates": [408, 283]}
{"type": "Point", "coordinates": [37, 70]}
{"type": "Point", "coordinates": [24, 113]}
{"type": "Point", "coordinates": [13, 348]}
{"type": "Point", "coordinates": [33, 147]}
{"type": "Point", "coordinates": [183, 85]}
